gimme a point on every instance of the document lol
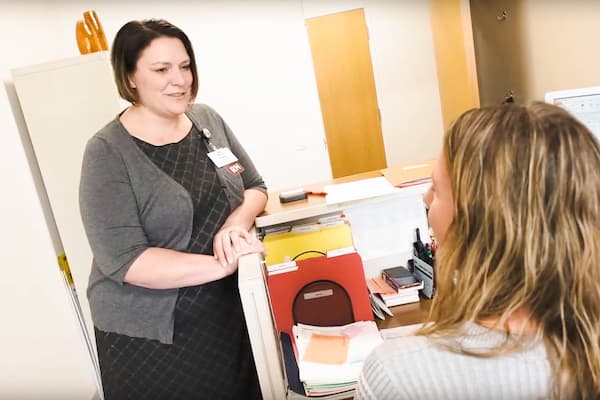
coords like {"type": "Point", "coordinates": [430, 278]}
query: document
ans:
{"type": "Point", "coordinates": [327, 349]}
{"type": "Point", "coordinates": [388, 227]}
{"type": "Point", "coordinates": [357, 190]}
{"type": "Point", "coordinates": [409, 175]}
{"type": "Point", "coordinates": [354, 343]}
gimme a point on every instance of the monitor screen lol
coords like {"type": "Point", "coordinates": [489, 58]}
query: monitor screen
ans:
{"type": "Point", "coordinates": [583, 103]}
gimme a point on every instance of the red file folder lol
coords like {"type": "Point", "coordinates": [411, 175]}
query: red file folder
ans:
{"type": "Point", "coordinates": [345, 271]}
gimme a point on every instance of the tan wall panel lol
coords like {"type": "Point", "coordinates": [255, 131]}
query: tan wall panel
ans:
{"type": "Point", "coordinates": [454, 55]}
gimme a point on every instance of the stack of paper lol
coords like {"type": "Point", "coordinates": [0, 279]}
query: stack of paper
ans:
{"type": "Point", "coordinates": [330, 358]}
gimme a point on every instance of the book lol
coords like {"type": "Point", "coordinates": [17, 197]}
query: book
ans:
{"type": "Point", "coordinates": [377, 286]}
{"type": "Point", "coordinates": [384, 296]}
{"type": "Point", "coordinates": [380, 309]}
{"type": "Point", "coordinates": [399, 277]}
{"type": "Point", "coordinates": [410, 296]}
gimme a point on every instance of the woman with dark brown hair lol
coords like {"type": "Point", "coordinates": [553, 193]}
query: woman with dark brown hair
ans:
{"type": "Point", "coordinates": [167, 197]}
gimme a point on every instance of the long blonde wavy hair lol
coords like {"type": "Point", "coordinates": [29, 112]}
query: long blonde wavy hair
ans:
{"type": "Point", "coordinates": [525, 235]}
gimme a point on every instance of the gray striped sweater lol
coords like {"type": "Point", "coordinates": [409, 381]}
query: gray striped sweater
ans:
{"type": "Point", "coordinates": [413, 367]}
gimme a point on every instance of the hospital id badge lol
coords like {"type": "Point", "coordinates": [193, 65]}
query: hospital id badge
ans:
{"type": "Point", "coordinates": [224, 157]}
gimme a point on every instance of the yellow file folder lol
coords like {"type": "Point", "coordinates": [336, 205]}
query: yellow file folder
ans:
{"type": "Point", "coordinates": [294, 244]}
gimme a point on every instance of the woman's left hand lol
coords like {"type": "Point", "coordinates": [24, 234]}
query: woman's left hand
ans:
{"type": "Point", "coordinates": [234, 241]}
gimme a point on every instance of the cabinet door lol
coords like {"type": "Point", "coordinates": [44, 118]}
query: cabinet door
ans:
{"type": "Point", "coordinates": [64, 103]}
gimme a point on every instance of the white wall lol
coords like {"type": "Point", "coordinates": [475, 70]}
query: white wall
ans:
{"type": "Point", "coordinates": [255, 69]}
{"type": "Point", "coordinates": [406, 79]}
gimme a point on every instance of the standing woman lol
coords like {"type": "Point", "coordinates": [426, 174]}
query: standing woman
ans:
{"type": "Point", "coordinates": [167, 218]}
{"type": "Point", "coordinates": [515, 204]}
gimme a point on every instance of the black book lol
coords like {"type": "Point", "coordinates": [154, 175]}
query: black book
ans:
{"type": "Point", "coordinates": [399, 277]}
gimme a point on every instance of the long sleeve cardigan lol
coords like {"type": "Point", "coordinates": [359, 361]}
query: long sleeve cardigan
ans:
{"type": "Point", "coordinates": [127, 205]}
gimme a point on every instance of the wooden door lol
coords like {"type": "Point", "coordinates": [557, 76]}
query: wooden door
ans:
{"type": "Point", "coordinates": [342, 62]}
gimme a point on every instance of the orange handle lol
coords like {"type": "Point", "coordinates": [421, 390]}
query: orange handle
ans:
{"type": "Point", "coordinates": [89, 33]}
{"type": "Point", "coordinates": [93, 22]}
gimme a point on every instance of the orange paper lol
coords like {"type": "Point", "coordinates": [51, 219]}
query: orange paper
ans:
{"type": "Point", "coordinates": [327, 349]}
{"type": "Point", "coordinates": [379, 285]}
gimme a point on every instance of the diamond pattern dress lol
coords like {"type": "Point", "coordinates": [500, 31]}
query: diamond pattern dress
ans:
{"type": "Point", "coordinates": [210, 357]}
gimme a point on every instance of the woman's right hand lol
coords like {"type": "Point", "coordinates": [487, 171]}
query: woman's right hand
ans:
{"type": "Point", "coordinates": [234, 241]}
{"type": "Point", "coordinates": [254, 246]}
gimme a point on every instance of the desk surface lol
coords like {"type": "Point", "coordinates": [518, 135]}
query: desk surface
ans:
{"type": "Point", "coordinates": [406, 314]}
{"type": "Point", "coordinates": [275, 212]}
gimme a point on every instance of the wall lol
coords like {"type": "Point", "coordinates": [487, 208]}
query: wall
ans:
{"type": "Point", "coordinates": [541, 46]}
{"type": "Point", "coordinates": [255, 69]}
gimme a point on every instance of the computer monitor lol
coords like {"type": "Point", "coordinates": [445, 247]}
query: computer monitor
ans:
{"type": "Point", "coordinates": [583, 103]}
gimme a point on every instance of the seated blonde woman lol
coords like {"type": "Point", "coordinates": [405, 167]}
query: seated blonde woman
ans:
{"type": "Point", "coordinates": [515, 204]}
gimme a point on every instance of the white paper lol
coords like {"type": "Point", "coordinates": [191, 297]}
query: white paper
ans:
{"type": "Point", "coordinates": [364, 337]}
{"type": "Point", "coordinates": [388, 227]}
{"type": "Point", "coordinates": [362, 189]}
{"type": "Point", "coordinates": [222, 156]}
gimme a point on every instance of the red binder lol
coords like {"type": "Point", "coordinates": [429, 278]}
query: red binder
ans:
{"type": "Point", "coordinates": [345, 271]}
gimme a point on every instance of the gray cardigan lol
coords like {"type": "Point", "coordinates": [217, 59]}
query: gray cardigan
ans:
{"type": "Point", "coordinates": [127, 205]}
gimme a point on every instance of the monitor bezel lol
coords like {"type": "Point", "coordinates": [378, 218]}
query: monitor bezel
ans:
{"type": "Point", "coordinates": [552, 96]}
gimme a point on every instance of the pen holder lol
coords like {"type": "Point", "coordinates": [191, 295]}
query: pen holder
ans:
{"type": "Point", "coordinates": [424, 272]}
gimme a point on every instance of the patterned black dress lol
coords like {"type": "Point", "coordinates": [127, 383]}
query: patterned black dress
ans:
{"type": "Point", "coordinates": [210, 357]}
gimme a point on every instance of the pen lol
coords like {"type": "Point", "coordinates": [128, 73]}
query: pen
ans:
{"type": "Point", "coordinates": [317, 193]}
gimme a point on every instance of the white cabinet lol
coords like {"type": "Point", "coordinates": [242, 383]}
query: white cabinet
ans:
{"type": "Point", "coordinates": [64, 103]}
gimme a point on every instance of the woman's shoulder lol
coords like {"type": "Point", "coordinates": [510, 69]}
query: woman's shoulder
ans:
{"type": "Point", "coordinates": [110, 131]}
{"type": "Point", "coordinates": [404, 347]}
{"type": "Point", "coordinates": [112, 138]}
{"type": "Point", "coordinates": [459, 355]}
{"type": "Point", "coordinates": [200, 110]}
